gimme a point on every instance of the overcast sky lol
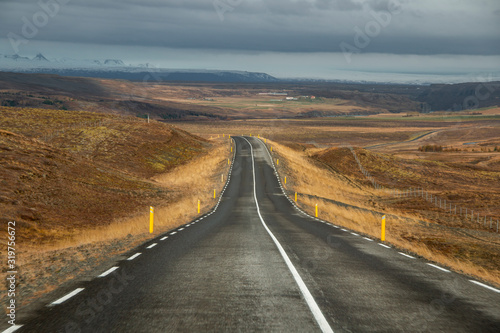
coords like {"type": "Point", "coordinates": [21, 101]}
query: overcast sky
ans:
{"type": "Point", "coordinates": [287, 38]}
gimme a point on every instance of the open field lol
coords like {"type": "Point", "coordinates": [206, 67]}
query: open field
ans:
{"type": "Point", "coordinates": [168, 101]}
{"type": "Point", "coordinates": [209, 101]}
{"type": "Point", "coordinates": [367, 131]}
{"type": "Point", "coordinates": [79, 186]}
{"type": "Point", "coordinates": [188, 101]}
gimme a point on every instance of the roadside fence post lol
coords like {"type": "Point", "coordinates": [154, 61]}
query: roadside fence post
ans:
{"type": "Point", "coordinates": [382, 231]}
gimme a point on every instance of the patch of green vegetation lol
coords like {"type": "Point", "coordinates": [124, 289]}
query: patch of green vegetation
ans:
{"type": "Point", "coordinates": [157, 166]}
{"type": "Point", "coordinates": [9, 102]}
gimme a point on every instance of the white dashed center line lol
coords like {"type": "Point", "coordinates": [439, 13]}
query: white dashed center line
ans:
{"type": "Point", "coordinates": [387, 247]}
{"type": "Point", "coordinates": [134, 256]}
{"type": "Point", "coordinates": [485, 286]}
{"type": "Point", "coordinates": [68, 296]}
{"type": "Point", "coordinates": [440, 268]}
{"type": "Point", "coordinates": [109, 271]}
{"type": "Point", "coordinates": [12, 329]}
{"type": "Point", "coordinates": [406, 255]}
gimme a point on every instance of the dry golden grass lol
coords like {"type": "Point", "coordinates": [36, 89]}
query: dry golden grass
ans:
{"type": "Point", "coordinates": [311, 180]}
{"type": "Point", "coordinates": [193, 181]}
{"type": "Point", "coordinates": [317, 185]}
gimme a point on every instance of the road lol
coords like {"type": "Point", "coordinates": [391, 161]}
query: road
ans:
{"type": "Point", "coordinates": [400, 142]}
{"type": "Point", "coordinates": [257, 263]}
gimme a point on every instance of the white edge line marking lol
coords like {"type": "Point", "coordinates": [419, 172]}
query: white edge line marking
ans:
{"type": "Point", "coordinates": [173, 232]}
{"type": "Point", "coordinates": [406, 255]}
{"type": "Point", "coordinates": [313, 306]}
{"type": "Point", "coordinates": [355, 234]}
{"type": "Point", "coordinates": [162, 239]}
{"type": "Point", "coordinates": [368, 239]}
{"type": "Point", "coordinates": [109, 271]}
{"type": "Point", "coordinates": [13, 328]}
{"type": "Point", "coordinates": [485, 286]}
{"type": "Point", "coordinates": [386, 246]}
{"type": "Point", "coordinates": [134, 256]}
{"type": "Point", "coordinates": [440, 268]}
{"type": "Point", "coordinates": [152, 245]}
{"type": "Point", "coordinates": [343, 229]}
{"type": "Point", "coordinates": [180, 229]}
{"type": "Point", "coordinates": [68, 296]}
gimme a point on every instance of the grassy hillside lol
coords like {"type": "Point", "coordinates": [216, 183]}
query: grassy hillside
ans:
{"type": "Point", "coordinates": [462, 184]}
{"type": "Point", "coordinates": [63, 170]}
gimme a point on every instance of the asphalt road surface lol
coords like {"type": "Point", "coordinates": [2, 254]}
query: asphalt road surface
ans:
{"type": "Point", "coordinates": [257, 263]}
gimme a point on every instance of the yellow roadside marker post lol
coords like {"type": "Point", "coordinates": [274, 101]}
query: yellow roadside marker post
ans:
{"type": "Point", "coordinates": [382, 232]}
{"type": "Point", "coordinates": [278, 161]}
{"type": "Point", "coordinates": [285, 180]}
{"type": "Point", "coordinates": [271, 148]}
{"type": "Point", "coordinates": [151, 218]}
{"type": "Point", "coordinates": [222, 178]}
{"type": "Point", "coordinates": [316, 211]}
{"type": "Point", "coordinates": [214, 193]}
{"type": "Point", "coordinates": [198, 206]}
{"type": "Point", "coordinates": [295, 196]}
{"type": "Point", "coordinates": [228, 162]}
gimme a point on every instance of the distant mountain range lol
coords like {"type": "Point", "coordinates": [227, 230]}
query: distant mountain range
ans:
{"type": "Point", "coordinates": [433, 97]}
{"type": "Point", "coordinates": [117, 69]}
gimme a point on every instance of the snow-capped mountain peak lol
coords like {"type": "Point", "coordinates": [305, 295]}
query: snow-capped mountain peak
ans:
{"type": "Point", "coordinates": [40, 57]}
{"type": "Point", "coordinates": [114, 62]}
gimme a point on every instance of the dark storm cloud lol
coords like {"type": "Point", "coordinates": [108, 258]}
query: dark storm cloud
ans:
{"type": "Point", "coordinates": [421, 27]}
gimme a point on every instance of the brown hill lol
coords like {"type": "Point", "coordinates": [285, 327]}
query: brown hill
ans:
{"type": "Point", "coordinates": [473, 186]}
{"type": "Point", "coordinates": [456, 97]}
{"type": "Point", "coordinates": [50, 91]}
{"type": "Point", "coordinates": [64, 169]}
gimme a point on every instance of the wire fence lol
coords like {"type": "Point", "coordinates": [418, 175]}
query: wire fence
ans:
{"type": "Point", "coordinates": [465, 213]}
